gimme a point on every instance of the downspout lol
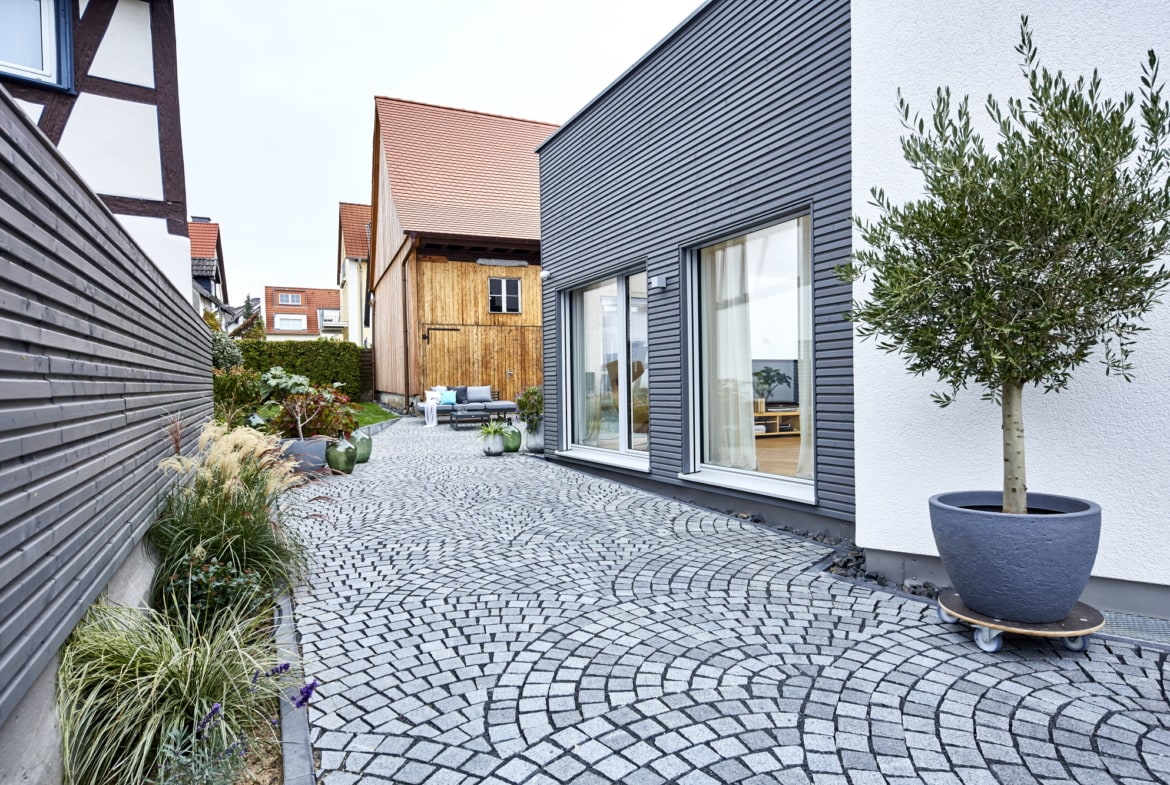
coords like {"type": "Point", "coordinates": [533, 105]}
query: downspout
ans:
{"type": "Point", "coordinates": [365, 294]}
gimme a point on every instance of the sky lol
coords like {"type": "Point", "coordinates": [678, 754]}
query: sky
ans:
{"type": "Point", "coordinates": [277, 100]}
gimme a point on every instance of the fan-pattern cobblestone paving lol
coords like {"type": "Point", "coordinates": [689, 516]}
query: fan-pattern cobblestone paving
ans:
{"type": "Point", "coordinates": [506, 620]}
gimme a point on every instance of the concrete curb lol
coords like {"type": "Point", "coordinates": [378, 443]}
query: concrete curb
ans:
{"type": "Point", "coordinates": [296, 749]}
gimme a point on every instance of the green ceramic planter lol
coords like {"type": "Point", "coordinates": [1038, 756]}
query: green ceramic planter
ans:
{"type": "Point", "coordinates": [341, 456]}
{"type": "Point", "coordinates": [364, 443]}
{"type": "Point", "coordinates": [512, 438]}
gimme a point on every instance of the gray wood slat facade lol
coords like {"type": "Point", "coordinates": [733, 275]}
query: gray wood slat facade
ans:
{"type": "Point", "coordinates": [96, 349]}
{"type": "Point", "coordinates": [741, 117]}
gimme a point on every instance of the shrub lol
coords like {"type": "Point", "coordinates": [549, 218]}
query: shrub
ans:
{"type": "Point", "coordinates": [225, 352]}
{"type": "Point", "coordinates": [325, 362]}
{"type": "Point", "coordinates": [131, 682]}
{"type": "Point", "coordinates": [207, 592]}
{"type": "Point", "coordinates": [236, 393]}
{"type": "Point", "coordinates": [321, 411]}
{"type": "Point", "coordinates": [226, 501]}
{"type": "Point", "coordinates": [531, 406]}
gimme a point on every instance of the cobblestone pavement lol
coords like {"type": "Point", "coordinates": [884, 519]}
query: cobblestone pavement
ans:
{"type": "Point", "coordinates": [506, 620]}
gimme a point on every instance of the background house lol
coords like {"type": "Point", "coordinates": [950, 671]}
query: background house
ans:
{"type": "Point", "coordinates": [102, 85]}
{"type": "Point", "coordinates": [353, 256]}
{"type": "Point", "coordinates": [683, 206]}
{"type": "Point", "coordinates": [208, 276]}
{"type": "Point", "coordinates": [299, 314]}
{"type": "Point", "coordinates": [109, 345]}
{"type": "Point", "coordinates": [455, 250]}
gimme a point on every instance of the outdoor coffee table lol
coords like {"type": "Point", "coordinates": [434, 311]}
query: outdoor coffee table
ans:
{"type": "Point", "coordinates": [457, 417]}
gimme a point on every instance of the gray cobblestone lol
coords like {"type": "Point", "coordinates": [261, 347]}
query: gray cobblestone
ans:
{"type": "Point", "coordinates": [499, 621]}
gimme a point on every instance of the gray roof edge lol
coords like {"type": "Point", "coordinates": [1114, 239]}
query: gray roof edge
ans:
{"type": "Point", "coordinates": [626, 74]}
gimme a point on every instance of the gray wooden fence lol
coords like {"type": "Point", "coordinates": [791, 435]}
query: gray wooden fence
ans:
{"type": "Point", "coordinates": [96, 349]}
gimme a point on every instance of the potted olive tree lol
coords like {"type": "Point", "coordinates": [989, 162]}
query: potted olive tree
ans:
{"type": "Point", "coordinates": [1025, 259]}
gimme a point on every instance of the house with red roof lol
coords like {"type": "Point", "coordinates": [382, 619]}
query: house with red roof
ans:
{"type": "Point", "coordinates": [296, 313]}
{"type": "Point", "coordinates": [208, 277]}
{"type": "Point", "coordinates": [454, 250]}
{"type": "Point", "coordinates": [353, 256]}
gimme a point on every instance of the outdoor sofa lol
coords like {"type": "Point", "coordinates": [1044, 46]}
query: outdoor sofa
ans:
{"type": "Point", "coordinates": [472, 399]}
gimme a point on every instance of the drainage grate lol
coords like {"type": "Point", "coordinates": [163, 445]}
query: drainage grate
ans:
{"type": "Point", "coordinates": [1142, 628]}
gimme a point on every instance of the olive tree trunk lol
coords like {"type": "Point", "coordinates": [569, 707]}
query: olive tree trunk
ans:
{"type": "Point", "coordinates": [1015, 486]}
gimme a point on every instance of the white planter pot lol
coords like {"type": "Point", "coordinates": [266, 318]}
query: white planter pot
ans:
{"type": "Point", "coordinates": [493, 444]}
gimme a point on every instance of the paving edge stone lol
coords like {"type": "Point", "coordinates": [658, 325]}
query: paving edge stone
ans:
{"type": "Point", "coordinates": [296, 749]}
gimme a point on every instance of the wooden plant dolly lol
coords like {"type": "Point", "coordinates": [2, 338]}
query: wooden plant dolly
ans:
{"type": "Point", "coordinates": [1074, 631]}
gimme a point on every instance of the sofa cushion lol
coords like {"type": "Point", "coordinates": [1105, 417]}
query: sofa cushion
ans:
{"type": "Point", "coordinates": [474, 407]}
{"type": "Point", "coordinates": [460, 394]}
{"type": "Point", "coordinates": [447, 396]}
{"type": "Point", "coordinates": [479, 394]}
{"type": "Point", "coordinates": [500, 406]}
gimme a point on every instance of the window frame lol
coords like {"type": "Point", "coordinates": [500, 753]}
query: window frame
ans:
{"type": "Point", "coordinates": [774, 485]}
{"type": "Point", "coordinates": [625, 456]}
{"type": "Point", "coordinates": [504, 295]}
{"type": "Point", "coordinates": [280, 298]}
{"type": "Point", "coordinates": [301, 318]}
{"type": "Point", "coordinates": [56, 46]}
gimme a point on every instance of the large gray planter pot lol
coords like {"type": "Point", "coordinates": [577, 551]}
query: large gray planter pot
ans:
{"type": "Point", "coordinates": [309, 454]}
{"type": "Point", "coordinates": [534, 440]}
{"type": "Point", "coordinates": [1027, 568]}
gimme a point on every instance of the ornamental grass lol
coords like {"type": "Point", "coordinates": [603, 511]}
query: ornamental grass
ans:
{"type": "Point", "coordinates": [226, 505]}
{"type": "Point", "coordinates": [135, 688]}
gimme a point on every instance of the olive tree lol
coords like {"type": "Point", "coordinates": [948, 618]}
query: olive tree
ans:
{"type": "Point", "coordinates": [1022, 261]}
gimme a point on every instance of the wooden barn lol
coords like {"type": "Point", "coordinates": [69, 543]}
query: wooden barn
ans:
{"type": "Point", "coordinates": [454, 250]}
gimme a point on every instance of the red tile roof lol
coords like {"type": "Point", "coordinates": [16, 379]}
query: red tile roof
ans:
{"type": "Point", "coordinates": [354, 219]}
{"type": "Point", "coordinates": [311, 300]}
{"type": "Point", "coordinates": [453, 171]}
{"type": "Point", "coordinates": [204, 239]}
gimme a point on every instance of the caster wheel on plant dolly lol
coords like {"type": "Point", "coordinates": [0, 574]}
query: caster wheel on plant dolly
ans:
{"type": "Point", "coordinates": [987, 632]}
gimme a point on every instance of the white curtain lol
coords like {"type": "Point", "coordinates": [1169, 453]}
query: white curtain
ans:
{"type": "Point", "coordinates": [728, 422]}
{"type": "Point", "coordinates": [804, 367]}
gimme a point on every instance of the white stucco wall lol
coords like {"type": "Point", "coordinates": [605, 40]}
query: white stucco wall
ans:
{"type": "Point", "coordinates": [170, 253]}
{"type": "Point", "coordinates": [32, 110]}
{"type": "Point", "coordinates": [114, 145]}
{"type": "Point", "coordinates": [126, 53]}
{"type": "Point", "coordinates": [1102, 439]}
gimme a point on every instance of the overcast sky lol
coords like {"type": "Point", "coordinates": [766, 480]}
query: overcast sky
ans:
{"type": "Point", "coordinates": [278, 100]}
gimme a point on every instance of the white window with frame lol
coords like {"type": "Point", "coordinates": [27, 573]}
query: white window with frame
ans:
{"type": "Point", "coordinates": [286, 298]}
{"type": "Point", "coordinates": [503, 295]}
{"type": "Point", "coordinates": [291, 321]}
{"type": "Point", "coordinates": [35, 40]}
{"type": "Point", "coordinates": [753, 378]}
{"type": "Point", "coordinates": [609, 380]}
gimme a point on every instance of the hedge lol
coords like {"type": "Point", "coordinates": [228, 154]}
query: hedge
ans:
{"type": "Point", "coordinates": [324, 362]}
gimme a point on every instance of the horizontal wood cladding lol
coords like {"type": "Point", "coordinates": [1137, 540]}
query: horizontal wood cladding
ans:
{"type": "Point", "coordinates": [96, 351]}
{"type": "Point", "coordinates": [741, 118]}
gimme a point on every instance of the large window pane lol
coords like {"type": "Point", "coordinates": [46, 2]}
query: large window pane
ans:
{"type": "Point", "coordinates": [20, 33]}
{"type": "Point", "coordinates": [755, 352]}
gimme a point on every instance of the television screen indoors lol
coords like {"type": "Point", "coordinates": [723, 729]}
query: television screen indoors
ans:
{"type": "Point", "coordinates": [776, 382]}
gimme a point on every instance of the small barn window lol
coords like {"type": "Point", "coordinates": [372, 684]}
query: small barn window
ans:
{"type": "Point", "coordinates": [503, 295]}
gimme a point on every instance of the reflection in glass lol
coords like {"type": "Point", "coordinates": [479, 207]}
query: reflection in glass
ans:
{"type": "Point", "coordinates": [638, 384]}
